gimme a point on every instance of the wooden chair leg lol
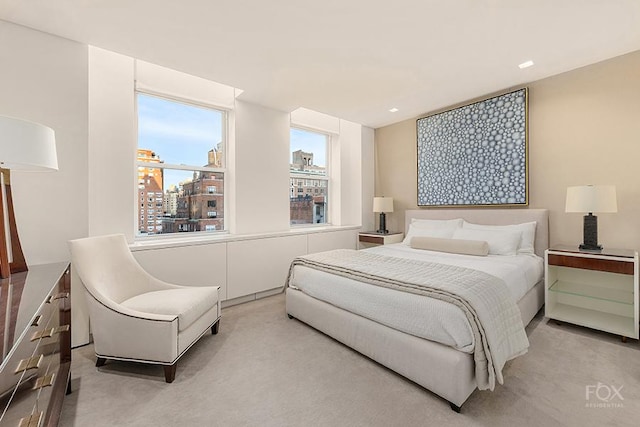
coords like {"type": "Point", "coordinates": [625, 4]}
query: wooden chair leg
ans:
{"type": "Point", "coordinates": [170, 372]}
{"type": "Point", "coordinates": [215, 327]}
{"type": "Point", "coordinates": [100, 361]}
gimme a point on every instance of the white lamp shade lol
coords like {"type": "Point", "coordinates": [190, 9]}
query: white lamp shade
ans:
{"type": "Point", "coordinates": [383, 204]}
{"type": "Point", "coordinates": [26, 145]}
{"type": "Point", "coordinates": [592, 198]}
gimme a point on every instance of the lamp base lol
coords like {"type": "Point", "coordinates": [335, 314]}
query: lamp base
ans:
{"type": "Point", "coordinates": [590, 234]}
{"type": "Point", "coordinates": [383, 224]}
{"type": "Point", "coordinates": [9, 240]}
{"type": "Point", "coordinates": [584, 247]}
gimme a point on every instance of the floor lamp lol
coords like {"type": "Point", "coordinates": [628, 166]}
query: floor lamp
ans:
{"type": "Point", "coordinates": [24, 146]}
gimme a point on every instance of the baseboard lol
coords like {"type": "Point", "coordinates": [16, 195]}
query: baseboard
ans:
{"type": "Point", "coordinates": [251, 297]}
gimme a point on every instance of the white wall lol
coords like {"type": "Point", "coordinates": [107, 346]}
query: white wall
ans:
{"type": "Point", "coordinates": [112, 144]}
{"type": "Point", "coordinates": [86, 95]}
{"type": "Point", "coordinates": [43, 78]}
{"type": "Point", "coordinates": [583, 129]}
{"type": "Point", "coordinates": [305, 118]}
{"type": "Point", "coordinates": [260, 169]}
{"type": "Point", "coordinates": [350, 146]}
{"type": "Point", "coordinates": [367, 162]}
{"type": "Point", "coordinates": [257, 184]}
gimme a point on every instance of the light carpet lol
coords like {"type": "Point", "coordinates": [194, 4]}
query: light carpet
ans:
{"type": "Point", "coordinates": [264, 369]}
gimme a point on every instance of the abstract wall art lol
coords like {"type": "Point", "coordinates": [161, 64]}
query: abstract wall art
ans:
{"type": "Point", "coordinates": [475, 155]}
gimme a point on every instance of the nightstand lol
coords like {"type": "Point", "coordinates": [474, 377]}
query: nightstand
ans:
{"type": "Point", "coordinates": [367, 239]}
{"type": "Point", "coordinates": [598, 290]}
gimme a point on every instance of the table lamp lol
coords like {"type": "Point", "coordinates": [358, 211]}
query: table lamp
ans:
{"type": "Point", "coordinates": [383, 205]}
{"type": "Point", "coordinates": [24, 146]}
{"type": "Point", "coordinates": [589, 199]}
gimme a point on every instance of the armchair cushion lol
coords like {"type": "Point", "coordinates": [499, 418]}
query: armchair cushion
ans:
{"type": "Point", "coordinates": [187, 303]}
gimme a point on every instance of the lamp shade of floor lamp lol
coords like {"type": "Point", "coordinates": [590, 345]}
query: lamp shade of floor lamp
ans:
{"type": "Point", "coordinates": [24, 146]}
{"type": "Point", "coordinates": [589, 199]}
{"type": "Point", "coordinates": [383, 205]}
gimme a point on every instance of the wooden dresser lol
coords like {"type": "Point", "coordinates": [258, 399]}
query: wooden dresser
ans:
{"type": "Point", "coordinates": [35, 343]}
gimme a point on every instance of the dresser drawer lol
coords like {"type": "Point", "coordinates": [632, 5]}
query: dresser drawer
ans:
{"type": "Point", "coordinates": [44, 337]}
{"type": "Point", "coordinates": [35, 395]}
{"type": "Point", "coordinates": [366, 239]}
{"type": "Point", "coordinates": [372, 239]}
{"type": "Point", "coordinates": [597, 264]}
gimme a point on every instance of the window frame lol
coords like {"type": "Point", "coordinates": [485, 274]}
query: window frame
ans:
{"type": "Point", "coordinates": [298, 177]}
{"type": "Point", "coordinates": [225, 113]}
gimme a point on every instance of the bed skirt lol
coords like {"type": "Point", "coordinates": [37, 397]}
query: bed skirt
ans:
{"type": "Point", "coordinates": [441, 369]}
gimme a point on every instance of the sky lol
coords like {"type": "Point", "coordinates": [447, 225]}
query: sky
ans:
{"type": "Point", "coordinates": [178, 133]}
{"type": "Point", "coordinates": [183, 134]}
{"type": "Point", "coordinates": [313, 142]}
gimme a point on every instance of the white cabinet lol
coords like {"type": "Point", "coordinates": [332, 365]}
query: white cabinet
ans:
{"type": "Point", "coordinates": [262, 264]}
{"type": "Point", "coordinates": [596, 290]}
{"type": "Point", "coordinates": [242, 267]}
{"type": "Point", "coordinates": [320, 242]}
{"type": "Point", "coordinates": [197, 265]}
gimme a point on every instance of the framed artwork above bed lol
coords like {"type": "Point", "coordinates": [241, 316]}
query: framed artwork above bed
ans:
{"type": "Point", "coordinates": [475, 155]}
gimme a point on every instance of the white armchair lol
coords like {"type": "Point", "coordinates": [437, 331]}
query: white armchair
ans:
{"type": "Point", "coordinates": [135, 316]}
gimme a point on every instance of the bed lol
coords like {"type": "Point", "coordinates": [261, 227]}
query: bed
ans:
{"type": "Point", "coordinates": [447, 368]}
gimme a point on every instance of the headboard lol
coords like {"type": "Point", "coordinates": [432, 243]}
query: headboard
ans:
{"type": "Point", "coordinates": [492, 217]}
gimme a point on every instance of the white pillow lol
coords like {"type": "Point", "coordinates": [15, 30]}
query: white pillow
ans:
{"type": "Point", "coordinates": [528, 230]}
{"type": "Point", "coordinates": [501, 242]}
{"type": "Point", "coordinates": [442, 228]}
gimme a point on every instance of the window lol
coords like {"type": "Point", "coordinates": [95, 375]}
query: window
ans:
{"type": "Point", "coordinates": [308, 169]}
{"type": "Point", "coordinates": [181, 165]}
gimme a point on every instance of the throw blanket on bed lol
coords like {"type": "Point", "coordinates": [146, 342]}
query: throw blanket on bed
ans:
{"type": "Point", "coordinates": [494, 318]}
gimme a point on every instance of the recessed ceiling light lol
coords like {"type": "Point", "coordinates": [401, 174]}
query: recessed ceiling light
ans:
{"type": "Point", "coordinates": [526, 64]}
{"type": "Point", "coordinates": [393, 110]}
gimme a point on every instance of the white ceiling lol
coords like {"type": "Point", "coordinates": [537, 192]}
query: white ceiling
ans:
{"type": "Point", "coordinates": [353, 59]}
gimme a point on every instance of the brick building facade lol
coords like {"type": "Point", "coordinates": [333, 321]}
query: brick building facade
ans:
{"type": "Point", "coordinates": [200, 201]}
{"type": "Point", "coordinates": [150, 194]}
{"type": "Point", "coordinates": [308, 193]}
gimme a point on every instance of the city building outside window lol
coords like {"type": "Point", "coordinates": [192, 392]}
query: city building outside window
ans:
{"type": "Point", "coordinates": [308, 171]}
{"type": "Point", "coordinates": [181, 165]}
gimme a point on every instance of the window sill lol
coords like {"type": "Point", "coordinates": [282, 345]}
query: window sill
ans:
{"type": "Point", "coordinates": [179, 241]}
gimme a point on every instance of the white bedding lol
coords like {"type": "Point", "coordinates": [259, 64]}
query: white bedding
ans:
{"type": "Point", "coordinates": [417, 315]}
